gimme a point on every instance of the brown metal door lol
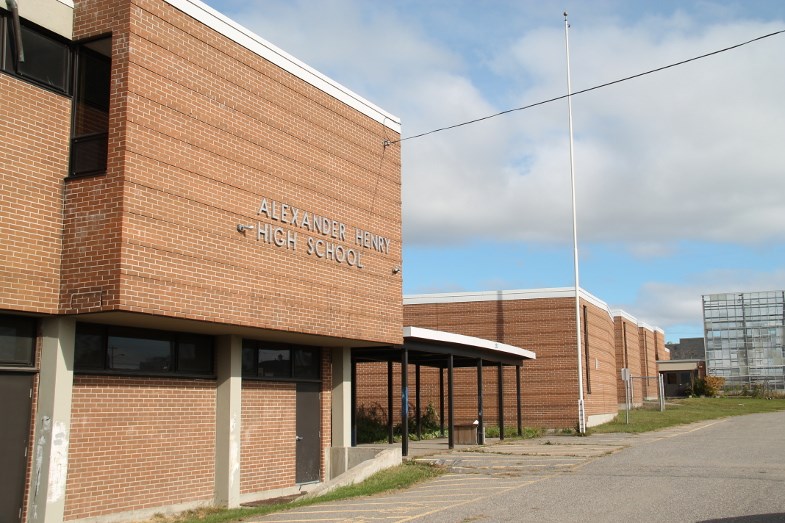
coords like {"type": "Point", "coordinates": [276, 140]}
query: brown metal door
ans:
{"type": "Point", "coordinates": [308, 427]}
{"type": "Point", "coordinates": [15, 404]}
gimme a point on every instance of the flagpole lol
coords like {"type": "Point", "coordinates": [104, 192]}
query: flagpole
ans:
{"type": "Point", "coordinates": [581, 409]}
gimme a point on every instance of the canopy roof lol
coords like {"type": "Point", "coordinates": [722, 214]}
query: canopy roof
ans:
{"type": "Point", "coordinates": [431, 347]}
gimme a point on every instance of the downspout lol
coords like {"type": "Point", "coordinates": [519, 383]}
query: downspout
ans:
{"type": "Point", "coordinates": [20, 52]}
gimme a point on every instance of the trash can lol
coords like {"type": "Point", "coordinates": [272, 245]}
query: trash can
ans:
{"type": "Point", "coordinates": [465, 434]}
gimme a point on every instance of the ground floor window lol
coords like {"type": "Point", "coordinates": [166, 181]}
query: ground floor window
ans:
{"type": "Point", "coordinates": [280, 361]}
{"type": "Point", "coordinates": [17, 341]}
{"type": "Point", "coordinates": [102, 348]}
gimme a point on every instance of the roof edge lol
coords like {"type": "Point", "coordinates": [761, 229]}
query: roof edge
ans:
{"type": "Point", "coordinates": [469, 341]}
{"type": "Point", "coordinates": [256, 44]}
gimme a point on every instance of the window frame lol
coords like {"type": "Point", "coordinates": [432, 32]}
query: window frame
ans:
{"type": "Point", "coordinates": [13, 69]}
{"type": "Point", "coordinates": [260, 345]}
{"type": "Point", "coordinates": [80, 49]}
{"type": "Point", "coordinates": [174, 338]}
{"type": "Point", "coordinates": [32, 335]}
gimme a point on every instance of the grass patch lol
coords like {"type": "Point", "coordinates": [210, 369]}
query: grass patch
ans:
{"type": "Point", "coordinates": [394, 478]}
{"type": "Point", "coordinates": [687, 410]}
{"type": "Point", "coordinates": [492, 431]}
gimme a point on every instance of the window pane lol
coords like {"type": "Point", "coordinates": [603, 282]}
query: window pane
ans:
{"type": "Point", "coordinates": [17, 340]}
{"type": "Point", "coordinates": [194, 354]}
{"type": "Point", "coordinates": [46, 59]}
{"type": "Point", "coordinates": [249, 358]}
{"type": "Point", "coordinates": [92, 95]}
{"type": "Point", "coordinates": [274, 363]}
{"type": "Point", "coordinates": [89, 140]}
{"type": "Point", "coordinates": [142, 354]}
{"type": "Point", "coordinates": [306, 363]}
{"type": "Point", "coordinates": [89, 350]}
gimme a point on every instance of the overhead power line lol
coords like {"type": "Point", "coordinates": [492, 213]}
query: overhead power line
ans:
{"type": "Point", "coordinates": [606, 84]}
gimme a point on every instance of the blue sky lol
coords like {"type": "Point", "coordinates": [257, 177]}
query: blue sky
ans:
{"type": "Point", "coordinates": [680, 175]}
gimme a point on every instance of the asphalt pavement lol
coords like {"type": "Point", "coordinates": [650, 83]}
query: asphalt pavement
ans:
{"type": "Point", "coordinates": [729, 470]}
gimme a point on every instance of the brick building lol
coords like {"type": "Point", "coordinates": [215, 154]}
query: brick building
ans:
{"type": "Point", "coordinates": [638, 348]}
{"type": "Point", "coordinates": [195, 230]}
{"type": "Point", "coordinates": [543, 321]}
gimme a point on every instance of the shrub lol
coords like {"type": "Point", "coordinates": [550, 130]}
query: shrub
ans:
{"type": "Point", "coordinates": [709, 386]}
{"type": "Point", "coordinates": [372, 423]}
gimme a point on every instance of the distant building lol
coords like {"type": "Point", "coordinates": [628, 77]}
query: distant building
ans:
{"type": "Point", "coordinates": [744, 337]}
{"type": "Point", "coordinates": [688, 349]}
{"type": "Point", "coordinates": [541, 320]}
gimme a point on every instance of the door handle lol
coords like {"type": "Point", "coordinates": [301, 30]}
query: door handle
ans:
{"type": "Point", "coordinates": [298, 438]}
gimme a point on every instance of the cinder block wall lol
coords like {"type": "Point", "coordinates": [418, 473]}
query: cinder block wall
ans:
{"type": "Point", "coordinates": [545, 326]}
{"type": "Point", "coordinates": [201, 130]}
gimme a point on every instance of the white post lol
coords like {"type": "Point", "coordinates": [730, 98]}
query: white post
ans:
{"type": "Point", "coordinates": [53, 421]}
{"type": "Point", "coordinates": [228, 419]}
{"type": "Point", "coordinates": [581, 409]}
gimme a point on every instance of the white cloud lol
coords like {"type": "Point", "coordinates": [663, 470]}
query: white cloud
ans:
{"type": "Point", "coordinates": [676, 304]}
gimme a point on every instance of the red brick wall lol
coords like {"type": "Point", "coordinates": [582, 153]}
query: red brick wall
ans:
{"type": "Point", "coordinates": [662, 352]}
{"type": "Point", "coordinates": [34, 126]}
{"type": "Point", "coordinates": [545, 326]}
{"type": "Point", "coordinates": [648, 362]}
{"type": "Point", "coordinates": [267, 448]}
{"type": "Point", "coordinates": [601, 365]}
{"type": "Point", "coordinates": [139, 443]}
{"type": "Point", "coordinates": [204, 130]}
{"type": "Point", "coordinates": [92, 207]}
{"type": "Point", "coordinates": [628, 355]}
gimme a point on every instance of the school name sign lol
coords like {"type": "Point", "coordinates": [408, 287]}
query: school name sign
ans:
{"type": "Point", "coordinates": [324, 237]}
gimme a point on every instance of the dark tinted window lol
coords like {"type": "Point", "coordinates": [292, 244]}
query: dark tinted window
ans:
{"type": "Point", "coordinates": [275, 363]}
{"type": "Point", "coordinates": [280, 361]}
{"type": "Point", "coordinates": [142, 354]}
{"type": "Point", "coordinates": [306, 363]}
{"type": "Point", "coordinates": [90, 349]}
{"type": "Point", "coordinates": [89, 142]}
{"type": "Point", "coordinates": [141, 351]}
{"type": "Point", "coordinates": [250, 356]}
{"type": "Point", "coordinates": [17, 340]}
{"type": "Point", "coordinates": [47, 58]}
{"type": "Point", "coordinates": [194, 354]}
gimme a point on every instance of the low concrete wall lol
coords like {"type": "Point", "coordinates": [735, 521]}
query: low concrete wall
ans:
{"type": "Point", "coordinates": [350, 465]}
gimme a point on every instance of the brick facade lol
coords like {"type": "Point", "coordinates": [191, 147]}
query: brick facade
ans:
{"type": "Point", "coordinates": [35, 129]}
{"type": "Point", "coordinates": [545, 326]}
{"type": "Point", "coordinates": [139, 443]}
{"type": "Point", "coordinates": [202, 130]}
{"type": "Point", "coordinates": [268, 432]}
{"type": "Point", "coordinates": [542, 321]}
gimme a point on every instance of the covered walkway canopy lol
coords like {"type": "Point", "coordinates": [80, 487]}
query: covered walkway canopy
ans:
{"type": "Point", "coordinates": [442, 350]}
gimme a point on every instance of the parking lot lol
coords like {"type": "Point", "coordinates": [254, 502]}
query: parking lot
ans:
{"type": "Point", "coordinates": [480, 477]}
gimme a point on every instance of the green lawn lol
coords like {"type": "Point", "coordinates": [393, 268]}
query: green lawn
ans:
{"type": "Point", "coordinates": [687, 410]}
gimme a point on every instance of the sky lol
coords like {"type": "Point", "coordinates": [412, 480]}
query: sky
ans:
{"type": "Point", "coordinates": [679, 175]}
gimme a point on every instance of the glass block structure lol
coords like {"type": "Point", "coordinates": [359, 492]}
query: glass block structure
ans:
{"type": "Point", "coordinates": [744, 338]}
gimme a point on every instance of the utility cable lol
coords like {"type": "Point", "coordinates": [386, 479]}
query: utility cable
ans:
{"type": "Point", "coordinates": [562, 97]}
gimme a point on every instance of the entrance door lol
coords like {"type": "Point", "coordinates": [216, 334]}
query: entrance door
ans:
{"type": "Point", "coordinates": [308, 432]}
{"type": "Point", "coordinates": [15, 391]}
